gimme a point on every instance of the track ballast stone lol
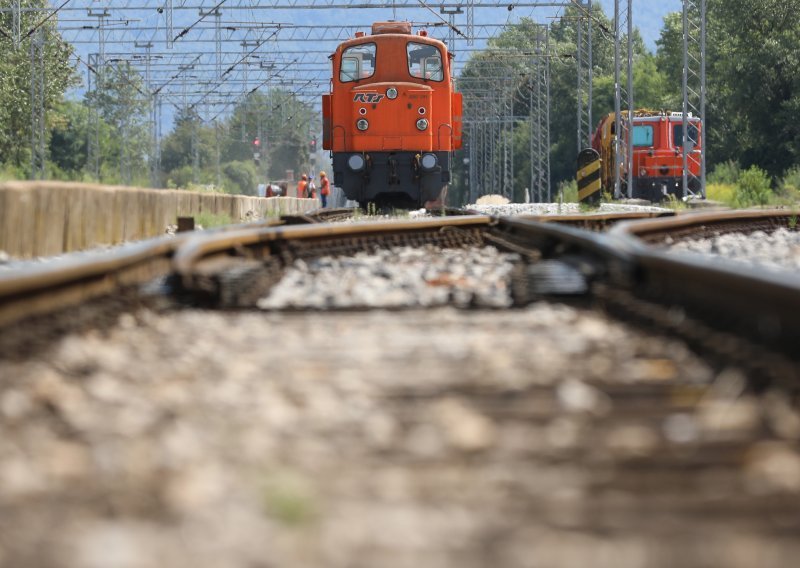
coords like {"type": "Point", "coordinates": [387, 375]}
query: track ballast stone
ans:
{"type": "Point", "coordinates": [523, 439]}
{"type": "Point", "coordinates": [777, 251]}
{"type": "Point", "coordinates": [400, 277]}
{"type": "Point", "coordinates": [516, 209]}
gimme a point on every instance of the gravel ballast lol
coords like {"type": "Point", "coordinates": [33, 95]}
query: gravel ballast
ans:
{"type": "Point", "coordinates": [516, 209]}
{"type": "Point", "coordinates": [398, 277]}
{"type": "Point", "coordinates": [435, 438]}
{"type": "Point", "coordinates": [777, 251]}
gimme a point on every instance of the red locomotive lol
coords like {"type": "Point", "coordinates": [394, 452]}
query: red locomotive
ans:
{"type": "Point", "coordinates": [392, 118]}
{"type": "Point", "coordinates": [657, 153]}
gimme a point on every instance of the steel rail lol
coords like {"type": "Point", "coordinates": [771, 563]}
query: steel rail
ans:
{"type": "Point", "coordinates": [723, 309]}
{"type": "Point", "coordinates": [48, 288]}
{"type": "Point", "coordinates": [597, 221]}
{"type": "Point", "coordinates": [233, 242]}
{"type": "Point", "coordinates": [702, 224]}
{"type": "Point", "coordinates": [327, 215]}
{"type": "Point", "coordinates": [735, 298]}
{"type": "Point", "coordinates": [742, 316]}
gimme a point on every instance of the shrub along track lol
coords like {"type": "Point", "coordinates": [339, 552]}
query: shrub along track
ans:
{"type": "Point", "coordinates": [628, 447]}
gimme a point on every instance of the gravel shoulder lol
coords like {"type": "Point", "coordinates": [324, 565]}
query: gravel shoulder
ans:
{"type": "Point", "coordinates": [433, 437]}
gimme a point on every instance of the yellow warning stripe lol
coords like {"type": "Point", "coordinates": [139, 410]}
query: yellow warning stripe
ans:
{"type": "Point", "coordinates": [593, 187]}
{"type": "Point", "coordinates": [590, 169]}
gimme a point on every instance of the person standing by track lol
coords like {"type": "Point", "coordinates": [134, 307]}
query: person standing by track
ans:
{"type": "Point", "coordinates": [302, 187]}
{"type": "Point", "coordinates": [324, 188]}
{"type": "Point", "coordinates": [311, 188]}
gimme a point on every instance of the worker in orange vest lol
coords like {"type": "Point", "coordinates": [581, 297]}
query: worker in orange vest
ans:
{"type": "Point", "coordinates": [324, 188]}
{"type": "Point", "coordinates": [301, 187]}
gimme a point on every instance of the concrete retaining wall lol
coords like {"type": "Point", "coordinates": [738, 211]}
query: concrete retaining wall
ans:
{"type": "Point", "coordinates": [47, 218]}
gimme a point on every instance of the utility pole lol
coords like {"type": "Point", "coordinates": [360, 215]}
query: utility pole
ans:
{"type": "Point", "coordinates": [38, 83]}
{"type": "Point", "coordinates": [451, 30]}
{"type": "Point", "coordinates": [623, 154]}
{"type": "Point", "coordinates": [585, 63]}
{"type": "Point", "coordinates": [694, 96]}
{"type": "Point", "coordinates": [99, 86]}
{"type": "Point", "coordinates": [154, 119]}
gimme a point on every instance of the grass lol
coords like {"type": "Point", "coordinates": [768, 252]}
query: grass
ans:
{"type": "Point", "coordinates": [722, 192]}
{"type": "Point", "coordinates": [672, 202]}
{"type": "Point", "coordinates": [211, 220]}
{"type": "Point", "coordinates": [375, 212]}
{"type": "Point", "coordinates": [288, 499]}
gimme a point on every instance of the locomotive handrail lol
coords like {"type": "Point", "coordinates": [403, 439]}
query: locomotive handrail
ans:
{"type": "Point", "coordinates": [439, 134]}
{"type": "Point", "coordinates": [344, 135]}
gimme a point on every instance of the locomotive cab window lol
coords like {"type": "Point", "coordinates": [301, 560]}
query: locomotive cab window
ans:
{"type": "Point", "coordinates": [425, 62]}
{"type": "Point", "coordinates": [358, 62]}
{"type": "Point", "coordinates": [677, 135]}
{"type": "Point", "coordinates": [643, 135]}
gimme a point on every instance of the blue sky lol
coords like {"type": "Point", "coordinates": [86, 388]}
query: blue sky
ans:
{"type": "Point", "coordinates": [648, 17]}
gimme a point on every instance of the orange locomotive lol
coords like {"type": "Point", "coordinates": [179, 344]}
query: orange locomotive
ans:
{"type": "Point", "coordinates": [657, 153]}
{"type": "Point", "coordinates": [392, 118]}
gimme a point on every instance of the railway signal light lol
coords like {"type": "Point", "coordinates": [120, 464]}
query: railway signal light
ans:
{"type": "Point", "coordinates": [257, 151]}
{"type": "Point", "coordinates": [313, 145]}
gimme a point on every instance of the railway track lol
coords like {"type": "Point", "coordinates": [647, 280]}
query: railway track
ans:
{"type": "Point", "coordinates": [540, 434]}
{"type": "Point", "coordinates": [702, 225]}
{"type": "Point", "coordinates": [340, 214]}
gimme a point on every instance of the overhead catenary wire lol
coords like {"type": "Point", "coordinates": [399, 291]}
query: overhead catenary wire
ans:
{"type": "Point", "coordinates": [448, 24]}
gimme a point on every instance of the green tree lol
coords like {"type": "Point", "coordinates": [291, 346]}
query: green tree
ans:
{"type": "Point", "coordinates": [283, 122]}
{"type": "Point", "coordinates": [669, 50]}
{"type": "Point", "coordinates": [15, 79]}
{"type": "Point", "coordinates": [121, 102]}
{"type": "Point", "coordinates": [754, 82]}
{"type": "Point", "coordinates": [242, 177]}
{"type": "Point", "coordinates": [69, 138]}
{"type": "Point", "coordinates": [177, 150]}
{"type": "Point", "coordinates": [482, 71]}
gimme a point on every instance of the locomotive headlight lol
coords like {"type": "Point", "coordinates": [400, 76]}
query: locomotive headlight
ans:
{"type": "Point", "coordinates": [362, 124]}
{"type": "Point", "coordinates": [355, 162]}
{"type": "Point", "coordinates": [428, 161]}
{"type": "Point", "coordinates": [422, 124]}
{"type": "Point", "coordinates": [391, 93]}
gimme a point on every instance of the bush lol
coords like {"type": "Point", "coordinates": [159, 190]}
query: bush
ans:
{"type": "Point", "coordinates": [568, 190]}
{"type": "Point", "coordinates": [243, 178]}
{"type": "Point", "coordinates": [790, 184]}
{"type": "Point", "coordinates": [180, 178]}
{"type": "Point", "coordinates": [726, 173]}
{"type": "Point", "coordinates": [9, 172]}
{"type": "Point", "coordinates": [753, 188]}
{"type": "Point", "coordinates": [722, 192]}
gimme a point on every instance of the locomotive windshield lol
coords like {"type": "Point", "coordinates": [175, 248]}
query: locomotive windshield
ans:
{"type": "Point", "coordinates": [677, 135]}
{"type": "Point", "coordinates": [425, 62]}
{"type": "Point", "coordinates": [643, 135]}
{"type": "Point", "coordinates": [358, 62]}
